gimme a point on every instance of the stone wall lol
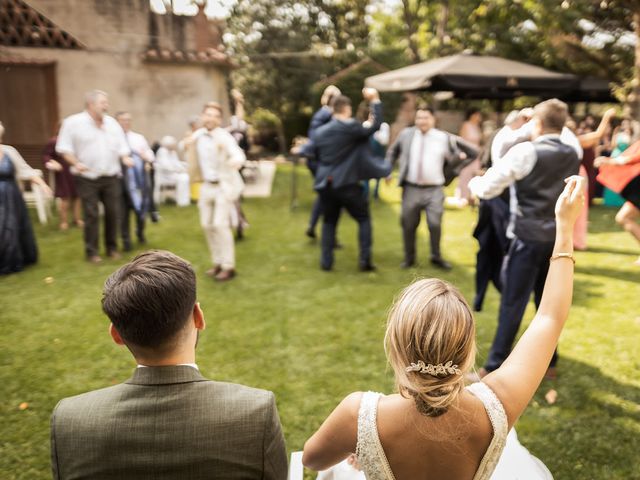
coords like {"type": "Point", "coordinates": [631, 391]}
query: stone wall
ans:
{"type": "Point", "coordinates": [161, 96]}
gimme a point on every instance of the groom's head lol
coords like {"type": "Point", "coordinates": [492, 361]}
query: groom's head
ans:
{"type": "Point", "coordinates": [151, 303]}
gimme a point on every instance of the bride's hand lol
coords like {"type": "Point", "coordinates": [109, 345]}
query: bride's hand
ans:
{"type": "Point", "coordinates": [570, 202]}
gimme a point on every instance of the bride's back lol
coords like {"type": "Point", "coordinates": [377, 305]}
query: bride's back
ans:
{"type": "Point", "coordinates": [448, 446]}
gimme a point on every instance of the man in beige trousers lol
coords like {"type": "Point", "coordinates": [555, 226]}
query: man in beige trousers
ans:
{"type": "Point", "coordinates": [219, 159]}
{"type": "Point", "coordinates": [167, 421]}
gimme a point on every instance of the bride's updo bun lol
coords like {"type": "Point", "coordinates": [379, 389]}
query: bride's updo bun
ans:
{"type": "Point", "coordinates": [430, 322]}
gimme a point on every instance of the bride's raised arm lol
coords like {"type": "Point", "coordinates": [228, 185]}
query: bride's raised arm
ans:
{"type": "Point", "coordinates": [516, 381]}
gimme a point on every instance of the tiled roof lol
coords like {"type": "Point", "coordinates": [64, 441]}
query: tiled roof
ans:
{"type": "Point", "coordinates": [23, 26]}
{"type": "Point", "coordinates": [210, 56]}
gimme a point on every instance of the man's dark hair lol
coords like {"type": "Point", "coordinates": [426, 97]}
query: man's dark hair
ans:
{"type": "Point", "coordinates": [552, 113]}
{"type": "Point", "coordinates": [120, 113]}
{"type": "Point", "coordinates": [423, 107]}
{"type": "Point", "coordinates": [341, 103]}
{"type": "Point", "coordinates": [150, 299]}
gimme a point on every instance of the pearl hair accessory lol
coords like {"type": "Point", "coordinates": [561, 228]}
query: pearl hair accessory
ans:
{"type": "Point", "coordinates": [434, 370]}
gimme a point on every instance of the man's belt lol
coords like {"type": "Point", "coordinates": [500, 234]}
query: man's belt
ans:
{"type": "Point", "coordinates": [415, 185]}
{"type": "Point", "coordinates": [212, 182]}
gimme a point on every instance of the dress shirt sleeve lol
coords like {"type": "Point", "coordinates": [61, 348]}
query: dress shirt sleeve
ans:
{"type": "Point", "coordinates": [145, 150]}
{"type": "Point", "coordinates": [569, 138]}
{"type": "Point", "coordinates": [515, 165]}
{"type": "Point", "coordinates": [64, 144]}
{"type": "Point", "coordinates": [235, 155]}
{"type": "Point", "coordinates": [123, 146]}
{"type": "Point", "coordinates": [522, 134]}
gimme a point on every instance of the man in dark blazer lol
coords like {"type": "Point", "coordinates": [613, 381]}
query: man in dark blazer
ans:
{"type": "Point", "coordinates": [320, 117]}
{"type": "Point", "coordinates": [167, 421]}
{"type": "Point", "coordinates": [344, 160]}
{"type": "Point", "coordinates": [428, 160]}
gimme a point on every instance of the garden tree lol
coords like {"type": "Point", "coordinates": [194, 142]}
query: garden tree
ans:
{"type": "Point", "coordinates": [284, 46]}
{"type": "Point", "coordinates": [586, 37]}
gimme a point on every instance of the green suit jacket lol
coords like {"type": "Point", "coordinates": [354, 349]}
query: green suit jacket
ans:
{"type": "Point", "coordinates": [168, 422]}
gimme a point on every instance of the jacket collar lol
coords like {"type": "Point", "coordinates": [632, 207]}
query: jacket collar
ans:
{"type": "Point", "coordinates": [165, 375]}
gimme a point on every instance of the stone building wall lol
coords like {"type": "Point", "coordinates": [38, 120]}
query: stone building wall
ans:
{"type": "Point", "coordinates": [160, 95]}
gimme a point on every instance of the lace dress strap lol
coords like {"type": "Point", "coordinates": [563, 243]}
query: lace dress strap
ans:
{"type": "Point", "coordinates": [369, 451]}
{"type": "Point", "coordinates": [498, 418]}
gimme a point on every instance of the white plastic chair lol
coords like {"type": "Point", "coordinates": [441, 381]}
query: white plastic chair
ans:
{"type": "Point", "coordinates": [36, 197]}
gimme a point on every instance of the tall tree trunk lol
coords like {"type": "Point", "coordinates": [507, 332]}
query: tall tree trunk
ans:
{"type": "Point", "coordinates": [410, 26]}
{"type": "Point", "coordinates": [441, 29]}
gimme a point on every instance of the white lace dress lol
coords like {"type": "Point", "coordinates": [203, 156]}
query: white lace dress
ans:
{"type": "Point", "coordinates": [505, 458]}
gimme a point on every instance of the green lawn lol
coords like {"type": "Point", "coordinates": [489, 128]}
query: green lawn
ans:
{"type": "Point", "coordinates": [312, 336]}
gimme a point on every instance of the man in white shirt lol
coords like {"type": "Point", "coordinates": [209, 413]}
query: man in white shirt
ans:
{"type": "Point", "coordinates": [421, 151]}
{"type": "Point", "coordinates": [219, 159]}
{"type": "Point", "coordinates": [94, 144]}
{"type": "Point", "coordinates": [535, 172]}
{"type": "Point", "coordinates": [136, 195]}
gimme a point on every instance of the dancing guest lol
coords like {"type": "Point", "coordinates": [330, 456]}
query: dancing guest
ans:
{"type": "Point", "coordinates": [493, 215]}
{"type": "Point", "coordinates": [170, 170]}
{"type": "Point", "coordinates": [219, 161]}
{"type": "Point", "coordinates": [622, 175]}
{"type": "Point", "coordinates": [434, 424]}
{"type": "Point", "coordinates": [425, 158]}
{"type": "Point", "coordinates": [535, 171]}
{"type": "Point", "coordinates": [471, 132]}
{"type": "Point", "coordinates": [65, 186]}
{"type": "Point", "coordinates": [323, 115]}
{"type": "Point", "coordinates": [136, 187]}
{"type": "Point", "coordinates": [344, 160]}
{"type": "Point", "coordinates": [94, 144]}
{"type": "Point", "coordinates": [589, 141]}
{"type": "Point", "coordinates": [17, 242]}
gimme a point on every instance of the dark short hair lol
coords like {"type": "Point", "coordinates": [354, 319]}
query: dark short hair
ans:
{"type": "Point", "coordinates": [470, 113]}
{"type": "Point", "coordinates": [120, 113]}
{"type": "Point", "coordinates": [340, 103]}
{"type": "Point", "coordinates": [552, 113]}
{"type": "Point", "coordinates": [423, 107]}
{"type": "Point", "coordinates": [150, 299]}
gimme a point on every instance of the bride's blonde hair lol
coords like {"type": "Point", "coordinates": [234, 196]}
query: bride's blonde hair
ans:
{"type": "Point", "coordinates": [430, 322]}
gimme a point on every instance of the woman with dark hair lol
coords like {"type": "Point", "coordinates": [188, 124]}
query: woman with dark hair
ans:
{"type": "Point", "coordinates": [65, 187]}
{"type": "Point", "coordinates": [17, 242]}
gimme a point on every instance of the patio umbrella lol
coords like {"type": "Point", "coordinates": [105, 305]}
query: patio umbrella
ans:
{"type": "Point", "coordinates": [476, 76]}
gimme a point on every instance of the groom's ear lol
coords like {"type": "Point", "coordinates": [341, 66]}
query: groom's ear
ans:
{"type": "Point", "coordinates": [115, 335]}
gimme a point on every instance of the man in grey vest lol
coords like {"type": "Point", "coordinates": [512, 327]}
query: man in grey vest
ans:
{"type": "Point", "coordinates": [167, 421]}
{"type": "Point", "coordinates": [535, 172]}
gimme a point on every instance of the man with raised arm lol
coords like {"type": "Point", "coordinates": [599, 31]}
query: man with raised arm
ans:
{"type": "Point", "coordinates": [344, 156]}
{"type": "Point", "coordinates": [167, 421]}
{"type": "Point", "coordinates": [535, 172]}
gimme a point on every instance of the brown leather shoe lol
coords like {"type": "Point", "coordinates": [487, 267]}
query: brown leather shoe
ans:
{"type": "Point", "coordinates": [113, 255]}
{"type": "Point", "coordinates": [225, 275]}
{"type": "Point", "coordinates": [213, 271]}
{"type": "Point", "coordinates": [95, 259]}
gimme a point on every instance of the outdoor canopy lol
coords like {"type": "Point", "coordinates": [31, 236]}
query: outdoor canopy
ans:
{"type": "Point", "coordinates": [479, 76]}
